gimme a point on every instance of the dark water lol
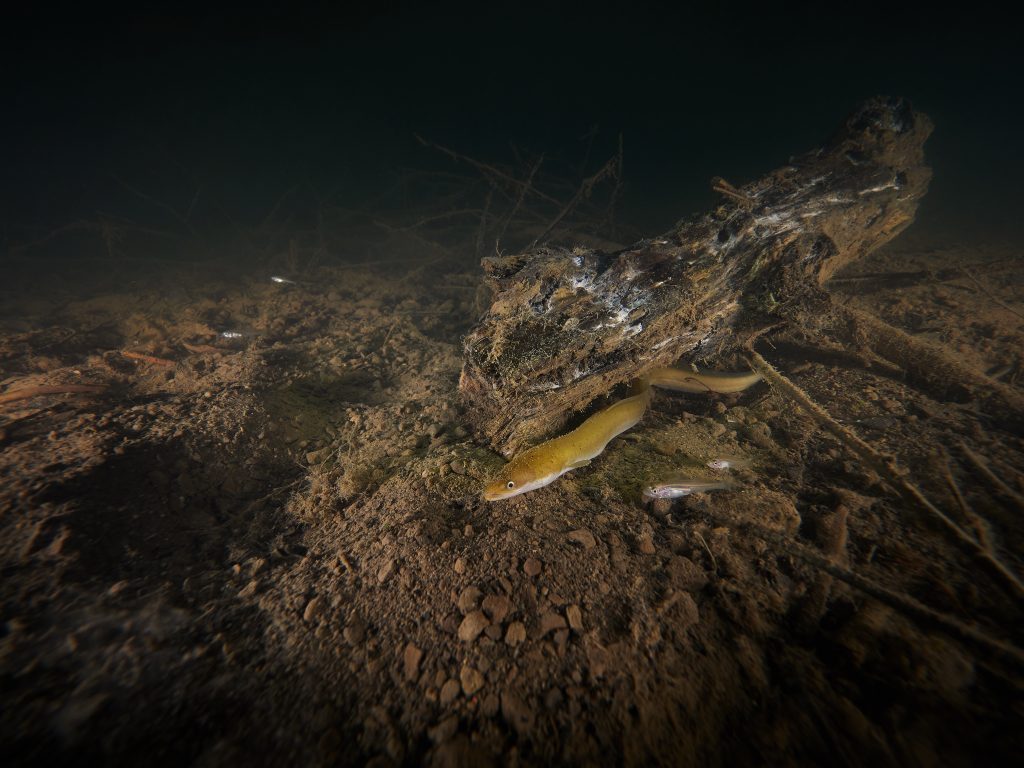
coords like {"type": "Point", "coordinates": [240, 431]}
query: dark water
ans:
{"type": "Point", "coordinates": [244, 106]}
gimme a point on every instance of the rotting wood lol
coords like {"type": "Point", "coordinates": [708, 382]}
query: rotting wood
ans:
{"type": "Point", "coordinates": [567, 325]}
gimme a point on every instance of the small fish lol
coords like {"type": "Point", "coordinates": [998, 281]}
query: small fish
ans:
{"type": "Point", "coordinates": [682, 486]}
{"type": "Point", "coordinates": [282, 280]}
{"type": "Point", "coordinates": [232, 335]}
{"type": "Point", "coordinates": [729, 462]}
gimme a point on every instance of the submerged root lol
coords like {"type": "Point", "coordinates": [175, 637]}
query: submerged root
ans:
{"type": "Point", "coordinates": [931, 367]}
{"type": "Point", "coordinates": [968, 634]}
{"type": "Point", "coordinates": [885, 466]}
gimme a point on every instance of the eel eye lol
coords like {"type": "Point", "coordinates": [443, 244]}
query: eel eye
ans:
{"type": "Point", "coordinates": [511, 484]}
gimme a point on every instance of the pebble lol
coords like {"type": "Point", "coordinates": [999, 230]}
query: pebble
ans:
{"type": "Point", "coordinates": [575, 617]}
{"type": "Point", "coordinates": [354, 632]}
{"type": "Point", "coordinates": [468, 599]}
{"type": "Point", "coordinates": [460, 566]}
{"type": "Point", "coordinates": [312, 610]}
{"type": "Point", "coordinates": [760, 434]}
{"type": "Point", "coordinates": [718, 429]}
{"type": "Point", "coordinates": [685, 574]}
{"type": "Point", "coordinates": [584, 538]}
{"type": "Point", "coordinates": [444, 730]}
{"type": "Point", "coordinates": [385, 571]}
{"type": "Point", "coordinates": [532, 567]}
{"type": "Point", "coordinates": [411, 661]}
{"type": "Point", "coordinates": [449, 691]}
{"type": "Point", "coordinates": [490, 705]}
{"type": "Point", "coordinates": [472, 626]}
{"type": "Point", "coordinates": [516, 713]}
{"type": "Point", "coordinates": [472, 680]}
{"type": "Point", "coordinates": [497, 607]}
{"type": "Point", "coordinates": [551, 621]}
{"type": "Point", "coordinates": [515, 634]}
{"type": "Point", "coordinates": [646, 543]}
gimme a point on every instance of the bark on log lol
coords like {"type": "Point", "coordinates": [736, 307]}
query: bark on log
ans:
{"type": "Point", "coordinates": [567, 325]}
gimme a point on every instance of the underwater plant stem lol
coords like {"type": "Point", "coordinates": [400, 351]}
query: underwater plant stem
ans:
{"type": "Point", "coordinates": [887, 467]}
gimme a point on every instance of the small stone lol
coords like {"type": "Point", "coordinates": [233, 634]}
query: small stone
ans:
{"type": "Point", "coordinates": [584, 538]}
{"type": "Point", "coordinates": [532, 567]}
{"type": "Point", "coordinates": [471, 626]}
{"type": "Point", "coordinates": [575, 617]}
{"type": "Point", "coordinates": [515, 634]}
{"type": "Point", "coordinates": [553, 698]}
{"type": "Point", "coordinates": [646, 543]}
{"type": "Point", "coordinates": [490, 705]}
{"type": "Point", "coordinates": [493, 632]}
{"type": "Point", "coordinates": [312, 610]}
{"type": "Point", "coordinates": [458, 466]}
{"type": "Point", "coordinates": [468, 599]}
{"type": "Point", "coordinates": [444, 730]}
{"type": "Point", "coordinates": [411, 661]}
{"type": "Point", "coordinates": [467, 531]}
{"type": "Point", "coordinates": [516, 713]}
{"type": "Point", "coordinates": [685, 574]}
{"type": "Point", "coordinates": [385, 571]}
{"type": "Point", "coordinates": [760, 434]}
{"type": "Point", "coordinates": [497, 607]}
{"type": "Point", "coordinates": [354, 633]}
{"type": "Point", "coordinates": [449, 691]}
{"type": "Point", "coordinates": [250, 589]}
{"type": "Point", "coordinates": [549, 622]}
{"type": "Point", "coordinates": [472, 680]}
{"type": "Point", "coordinates": [460, 566]}
{"type": "Point", "coordinates": [718, 429]}
{"type": "Point", "coordinates": [688, 612]}
{"type": "Point", "coordinates": [662, 507]}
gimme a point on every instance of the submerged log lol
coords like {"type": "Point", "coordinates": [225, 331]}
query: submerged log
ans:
{"type": "Point", "coordinates": [567, 325]}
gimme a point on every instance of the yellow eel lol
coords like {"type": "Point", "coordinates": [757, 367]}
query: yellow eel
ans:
{"type": "Point", "coordinates": [543, 464]}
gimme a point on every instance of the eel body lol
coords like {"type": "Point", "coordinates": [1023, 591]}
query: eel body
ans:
{"type": "Point", "coordinates": [544, 463]}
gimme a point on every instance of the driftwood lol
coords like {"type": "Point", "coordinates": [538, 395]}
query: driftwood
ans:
{"type": "Point", "coordinates": [567, 325]}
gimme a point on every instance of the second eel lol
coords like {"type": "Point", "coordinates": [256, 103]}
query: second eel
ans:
{"type": "Point", "coordinates": [544, 463]}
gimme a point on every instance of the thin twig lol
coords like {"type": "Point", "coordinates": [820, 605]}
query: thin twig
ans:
{"type": "Point", "coordinates": [980, 527]}
{"type": "Point", "coordinates": [910, 607]}
{"type": "Point", "coordinates": [50, 389]}
{"type": "Point", "coordinates": [585, 188]}
{"type": "Point", "coordinates": [989, 294]}
{"type": "Point", "coordinates": [714, 563]}
{"type": "Point", "coordinates": [886, 467]}
{"type": "Point", "coordinates": [158, 203]}
{"type": "Point", "coordinates": [519, 198]}
{"type": "Point", "coordinates": [488, 169]}
{"type": "Point", "coordinates": [144, 358]}
{"type": "Point", "coordinates": [992, 477]}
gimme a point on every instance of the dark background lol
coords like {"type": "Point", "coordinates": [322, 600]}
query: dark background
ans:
{"type": "Point", "coordinates": [246, 103]}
